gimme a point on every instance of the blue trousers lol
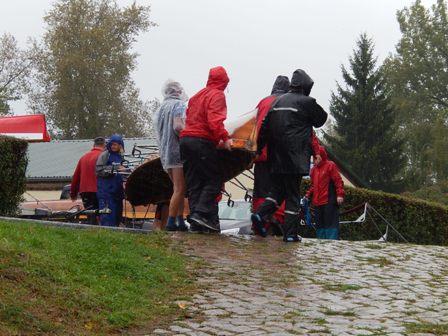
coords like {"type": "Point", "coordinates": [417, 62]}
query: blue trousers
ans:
{"type": "Point", "coordinates": [113, 203]}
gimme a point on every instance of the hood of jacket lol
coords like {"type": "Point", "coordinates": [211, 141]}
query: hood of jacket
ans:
{"type": "Point", "coordinates": [301, 82]}
{"type": "Point", "coordinates": [115, 138]}
{"type": "Point", "coordinates": [173, 89]}
{"type": "Point", "coordinates": [323, 154]}
{"type": "Point", "coordinates": [217, 78]}
{"type": "Point", "coordinates": [281, 85]}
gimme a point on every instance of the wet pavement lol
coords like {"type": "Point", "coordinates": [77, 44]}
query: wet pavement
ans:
{"type": "Point", "coordinates": [255, 286]}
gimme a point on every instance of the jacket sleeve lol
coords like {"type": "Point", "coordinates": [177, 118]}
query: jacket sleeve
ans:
{"type": "Point", "coordinates": [102, 169]}
{"type": "Point", "coordinates": [315, 113]}
{"type": "Point", "coordinates": [216, 114]}
{"type": "Point", "coordinates": [337, 180]}
{"type": "Point", "coordinates": [262, 139]}
{"type": "Point", "coordinates": [179, 118]}
{"type": "Point", "coordinates": [74, 188]}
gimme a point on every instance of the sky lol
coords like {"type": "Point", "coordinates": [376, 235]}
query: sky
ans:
{"type": "Point", "coordinates": [255, 40]}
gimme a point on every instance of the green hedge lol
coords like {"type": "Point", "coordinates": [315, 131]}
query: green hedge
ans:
{"type": "Point", "coordinates": [419, 221]}
{"type": "Point", "coordinates": [13, 162]}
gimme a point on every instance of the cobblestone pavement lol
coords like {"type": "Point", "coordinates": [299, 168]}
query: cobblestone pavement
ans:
{"type": "Point", "coordinates": [255, 286]}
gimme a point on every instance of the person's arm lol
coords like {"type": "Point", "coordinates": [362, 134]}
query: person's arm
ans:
{"type": "Point", "coordinates": [338, 182]}
{"type": "Point", "coordinates": [216, 114]}
{"type": "Point", "coordinates": [179, 118]}
{"type": "Point", "coordinates": [315, 113]}
{"type": "Point", "coordinates": [102, 169]}
{"type": "Point", "coordinates": [263, 135]}
{"type": "Point", "coordinates": [74, 188]}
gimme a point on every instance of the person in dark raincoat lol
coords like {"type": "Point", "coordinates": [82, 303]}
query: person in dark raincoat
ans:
{"type": "Point", "coordinates": [287, 131]}
{"type": "Point", "coordinates": [110, 182]}
{"type": "Point", "coordinates": [327, 191]}
{"type": "Point", "coordinates": [203, 131]}
{"type": "Point", "coordinates": [262, 180]}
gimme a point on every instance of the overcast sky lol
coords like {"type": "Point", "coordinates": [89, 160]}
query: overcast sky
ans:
{"type": "Point", "coordinates": [255, 40]}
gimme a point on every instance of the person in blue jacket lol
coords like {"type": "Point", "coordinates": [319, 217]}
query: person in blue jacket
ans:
{"type": "Point", "coordinates": [109, 182]}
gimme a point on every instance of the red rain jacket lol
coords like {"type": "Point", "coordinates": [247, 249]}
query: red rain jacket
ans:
{"type": "Point", "coordinates": [321, 176]}
{"type": "Point", "coordinates": [207, 109]}
{"type": "Point", "coordinates": [84, 177]}
{"type": "Point", "coordinates": [263, 109]}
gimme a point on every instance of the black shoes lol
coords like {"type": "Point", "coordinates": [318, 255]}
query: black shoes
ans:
{"type": "Point", "coordinates": [258, 224]}
{"type": "Point", "coordinates": [197, 220]}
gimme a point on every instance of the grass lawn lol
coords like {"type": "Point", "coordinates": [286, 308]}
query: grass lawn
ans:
{"type": "Point", "coordinates": [57, 281]}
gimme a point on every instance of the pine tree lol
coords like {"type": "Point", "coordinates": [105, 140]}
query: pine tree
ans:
{"type": "Point", "coordinates": [365, 134]}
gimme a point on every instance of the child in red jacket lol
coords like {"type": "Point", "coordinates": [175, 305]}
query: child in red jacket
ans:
{"type": "Point", "coordinates": [327, 190]}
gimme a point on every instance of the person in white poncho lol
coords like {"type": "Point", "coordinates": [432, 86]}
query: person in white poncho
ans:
{"type": "Point", "coordinates": [169, 121]}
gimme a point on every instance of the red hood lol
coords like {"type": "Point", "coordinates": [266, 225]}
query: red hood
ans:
{"type": "Point", "coordinates": [323, 154]}
{"type": "Point", "coordinates": [217, 78]}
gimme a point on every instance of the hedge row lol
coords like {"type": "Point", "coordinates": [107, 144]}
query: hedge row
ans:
{"type": "Point", "coordinates": [419, 221]}
{"type": "Point", "coordinates": [13, 162]}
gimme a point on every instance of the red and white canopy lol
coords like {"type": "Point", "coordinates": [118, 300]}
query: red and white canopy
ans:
{"type": "Point", "coordinates": [29, 127]}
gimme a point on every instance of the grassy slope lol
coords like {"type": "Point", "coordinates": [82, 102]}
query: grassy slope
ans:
{"type": "Point", "coordinates": [59, 281]}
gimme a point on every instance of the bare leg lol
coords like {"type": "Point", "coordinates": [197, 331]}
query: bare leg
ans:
{"type": "Point", "coordinates": [177, 199]}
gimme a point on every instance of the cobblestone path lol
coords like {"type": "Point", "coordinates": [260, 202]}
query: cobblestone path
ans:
{"type": "Point", "coordinates": [255, 286]}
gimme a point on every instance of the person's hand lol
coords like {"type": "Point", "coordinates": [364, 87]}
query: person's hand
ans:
{"type": "Point", "coordinates": [228, 144]}
{"type": "Point", "coordinates": [318, 159]}
{"type": "Point", "coordinates": [340, 200]}
{"type": "Point", "coordinates": [73, 198]}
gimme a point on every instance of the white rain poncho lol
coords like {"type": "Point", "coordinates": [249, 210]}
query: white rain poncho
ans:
{"type": "Point", "coordinates": [169, 121]}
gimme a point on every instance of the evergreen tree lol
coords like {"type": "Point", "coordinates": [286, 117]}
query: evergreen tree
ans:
{"type": "Point", "coordinates": [365, 133]}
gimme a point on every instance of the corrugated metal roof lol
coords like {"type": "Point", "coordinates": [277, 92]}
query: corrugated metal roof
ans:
{"type": "Point", "coordinates": [57, 160]}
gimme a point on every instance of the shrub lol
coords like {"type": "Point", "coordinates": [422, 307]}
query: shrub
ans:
{"type": "Point", "coordinates": [13, 162]}
{"type": "Point", "coordinates": [419, 221]}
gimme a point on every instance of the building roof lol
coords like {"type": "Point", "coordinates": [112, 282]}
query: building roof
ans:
{"type": "Point", "coordinates": [57, 160]}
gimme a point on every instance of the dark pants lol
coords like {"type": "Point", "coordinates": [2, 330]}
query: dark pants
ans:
{"type": "Point", "coordinates": [90, 202]}
{"type": "Point", "coordinates": [262, 179]}
{"type": "Point", "coordinates": [202, 175]}
{"type": "Point", "coordinates": [285, 187]}
{"type": "Point", "coordinates": [327, 221]}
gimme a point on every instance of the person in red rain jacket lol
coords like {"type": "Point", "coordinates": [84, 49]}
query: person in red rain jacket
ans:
{"type": "Point", "coordinates": [204, 130]}
{"type": "Point", "coordinates": [84, 178]}
{"type": "Point", "coordinates": [262, 179]}
{"type": "Point", "coordinates": [327, 191]}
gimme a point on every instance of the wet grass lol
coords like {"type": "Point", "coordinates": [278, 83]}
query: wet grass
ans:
{"type": "Point", "coordinates": [374, 246]}
{"type": "Point", "coordinates": [62, 281]}
{"type": "Point", "coordinates": [380, 261]}
{"type": "Point", "coordinates": [346, 313]}
{"type": "Point", "coordinates": [429, 328]}
{"type": "Point", "coordinates": [341, 287]}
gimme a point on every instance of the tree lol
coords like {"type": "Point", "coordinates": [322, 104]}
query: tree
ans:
{"type": "Point", "coordinates": [364, 134]}
{"type": "Point", "coordinates": [417, 76]}
{"type": "Point", "coordinates": [15, 67]}
{"type": "Point", "coordinates": [83, 78]}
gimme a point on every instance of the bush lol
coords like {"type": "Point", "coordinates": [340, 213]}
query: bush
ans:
{"type": "Point", "coordinates": [13, 162]}
{"type": "Point", "coordinates": [419, 221]}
